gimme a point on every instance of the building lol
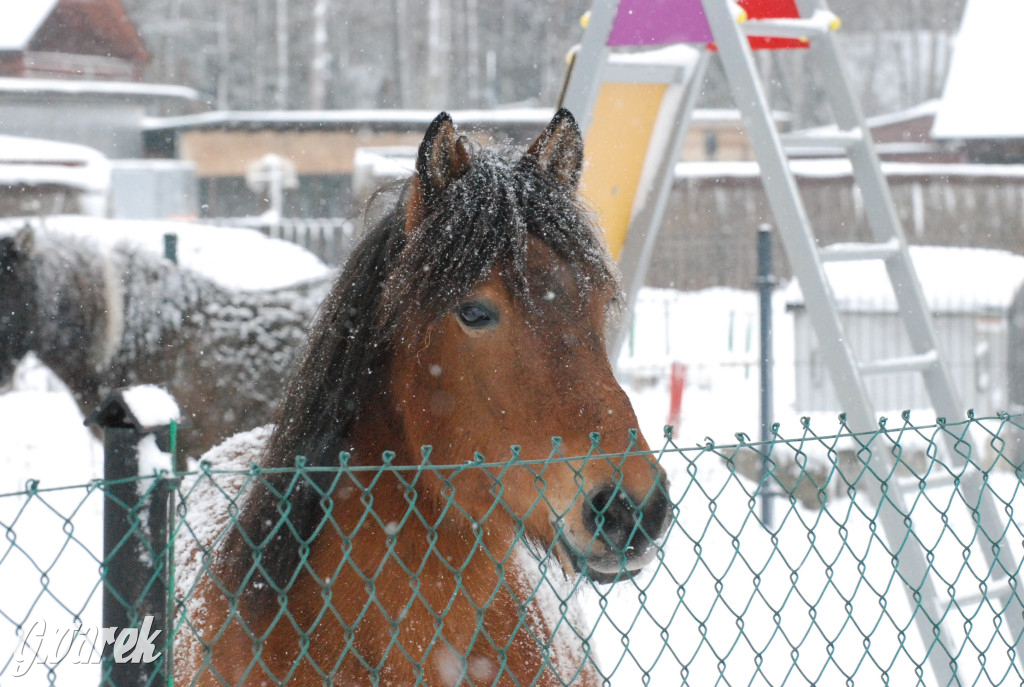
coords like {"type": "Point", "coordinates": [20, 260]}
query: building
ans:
{"type": "Point", "coordinates": [39, 177]}
{"type": "Point", "coordinates": [982, 105]}
{"type": "Point", "coordinates": [975, 296]}
{"type": "Point", "coordinates": [70, 39]}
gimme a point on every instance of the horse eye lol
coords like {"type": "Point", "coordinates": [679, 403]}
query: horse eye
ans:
{"type": "Point", "coordinates": [477, 315]}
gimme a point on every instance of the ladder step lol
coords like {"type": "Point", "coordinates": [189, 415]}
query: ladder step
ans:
{"type": "Point", "coordinates": [999, 592]}
{"type": "Point", "coordinates": [940, 481]}
{"type": "Point", "coordinates": [818, 24]}
{"type": "Point", "coordinates": [841, 252]}
{"type": "Point", "coordinates": [829, 140]}
{"type": "Point", "coordinates": [908, 363]}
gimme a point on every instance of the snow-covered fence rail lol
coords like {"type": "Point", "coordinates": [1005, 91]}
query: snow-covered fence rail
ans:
{"type": "Point", "coordinates": [329, 238]}
{"type": "Point", "coordinates": [817, 599]}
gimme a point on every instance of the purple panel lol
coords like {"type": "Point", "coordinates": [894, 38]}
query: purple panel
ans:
{"type": "Point", "coordinates": [659, 22]}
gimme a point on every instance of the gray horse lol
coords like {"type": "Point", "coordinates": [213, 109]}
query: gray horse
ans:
{"type": "Point", "coordinates": [104, 318]}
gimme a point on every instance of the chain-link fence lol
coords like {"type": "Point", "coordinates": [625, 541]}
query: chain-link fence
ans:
{"type": "Point", "coordinates": [893, 557]}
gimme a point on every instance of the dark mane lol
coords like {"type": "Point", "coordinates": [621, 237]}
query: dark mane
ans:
{"type": "Point", "coordinates": [397, 281]}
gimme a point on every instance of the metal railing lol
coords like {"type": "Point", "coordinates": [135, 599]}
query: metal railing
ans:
{"type": "Point", "coordinates": [329, 238]}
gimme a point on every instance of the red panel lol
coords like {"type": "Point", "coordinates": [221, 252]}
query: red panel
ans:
{"type": "Point", "coordinates": [772, 9]}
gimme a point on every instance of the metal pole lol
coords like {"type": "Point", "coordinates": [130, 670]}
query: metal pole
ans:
{"type": "Point", "coordinates": [765, 284]}
{"type": "Point", "coordinates": [171, 247]}
{"type": "Point", "coordinates": [136, 552]}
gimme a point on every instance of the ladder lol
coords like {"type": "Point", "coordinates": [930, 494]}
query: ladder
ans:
{"type": "Point", "coordinates": [728, 25]}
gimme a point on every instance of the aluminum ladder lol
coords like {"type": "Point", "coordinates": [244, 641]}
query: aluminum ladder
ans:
{"type": "Point", "coordinates": [731, 32]}
{"type": "Point", "coordinates": [852, 138]}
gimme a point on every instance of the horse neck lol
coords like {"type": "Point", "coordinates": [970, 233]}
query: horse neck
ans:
{"type": "Point", "coordinates": [159, 299]}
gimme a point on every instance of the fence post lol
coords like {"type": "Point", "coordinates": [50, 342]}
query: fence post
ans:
{"type": "Point", "coordinates": [765, 284]}
{"type": "Point", "coordinates": [137, 424]}
{"type": "Point", "coordinates": [171, 247]}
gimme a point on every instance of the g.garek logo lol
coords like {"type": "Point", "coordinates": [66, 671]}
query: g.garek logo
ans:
{"type": "Point", "coordinates": [51, 646]}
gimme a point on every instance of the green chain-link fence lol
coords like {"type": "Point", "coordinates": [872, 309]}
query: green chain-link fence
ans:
{"type": "Point", "coordinates": [827, 594]}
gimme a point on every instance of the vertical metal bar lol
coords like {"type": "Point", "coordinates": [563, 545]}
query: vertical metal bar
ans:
{"type": "Point", "coordinates": [765, 285]}
{"type": "Point", "coordinates": [585, 77]}
{"type": "Point", "coordinates": [136, 554]}
{"type": "Point", "coordinates": [172, 486]}
{"type": "Point", "coordinates": [120, 464]}
{"type": "Point", "coordinates": [171, 247]}
{"type": "Point", "coordinates": [155, 597]}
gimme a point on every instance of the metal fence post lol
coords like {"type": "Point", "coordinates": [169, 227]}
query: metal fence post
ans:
{"type": "Point", "coordinates": [765, 284]}
{"type": "Point", "coordinates": [171, 247]}
{"type": "Point", "coordinates": [136, 555]}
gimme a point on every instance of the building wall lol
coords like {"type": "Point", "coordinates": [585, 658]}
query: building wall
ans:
{"type": "Point", "coordinates": [221, 153]}
{"type": "Point", "coordinates": [973, 344]}
{"type": "Point", "coordinates": [710, 230]}
{"type": "Point", "coordinates": [113, 129]}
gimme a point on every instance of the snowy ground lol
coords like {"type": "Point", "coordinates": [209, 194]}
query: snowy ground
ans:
{"type": "Point", "coordinates": [726, 587]}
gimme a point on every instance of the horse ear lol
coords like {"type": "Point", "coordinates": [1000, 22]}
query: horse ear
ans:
{"type": "Point", "coordinates": [443, 158]}
{"type": "Point", "coordinates": [559, 150]}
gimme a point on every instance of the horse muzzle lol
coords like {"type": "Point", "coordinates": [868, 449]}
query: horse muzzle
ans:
{"type": "Point", "coordinates": [619, 534]}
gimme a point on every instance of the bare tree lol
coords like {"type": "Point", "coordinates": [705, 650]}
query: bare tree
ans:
{"type": "Point", "coordinates": [467, 53]}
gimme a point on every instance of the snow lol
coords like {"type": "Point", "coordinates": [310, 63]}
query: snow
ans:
{"type": "Point", "coordinates": [329, 118]}
{"type": "Point", "coordinates": [982, 97]}
{"type": "Point", "coordinates": [953, 279]}
{"type": "Point", "coordinates": [840, 167]}
{"type": "Point", "coordinates": [84, 87]}
{"type": "Point", "coordinates": [676, 55]}
{"type": "Point", "coordinates": [21, 150]}
{"type": "Point", "coordinates": [418, 119]}
{"type": "Point", "coordinates": [21, 21]}
{"type": "Point", "coordinates": [151, 405]}
{"type": "Point", "coordinates": [33, 161]}
{"type": "Point", "coordinates": [235, 258]}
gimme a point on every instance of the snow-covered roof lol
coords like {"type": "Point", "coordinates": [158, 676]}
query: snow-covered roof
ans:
{"type": "Point", "coordinates": [953, 279]}
{"type": "Point", "coordinates": [85, 87]}
{"type": "Point", "coordinates": [20, 149]}
{"type": "Point", "coordinates": [212, 251]}
{"type": "Point", "coordinates": [983, 97]}
{"type": "Point", "coordinates": [21, 20]}
{"type": "Point", "coordinates": [343, 118]}
{"type": "Point", "coordinates": [822, 168]}
{"type": "Point", "coordinates": [411, 119]}
{"type": "Point", "coordinates": [35, 161]}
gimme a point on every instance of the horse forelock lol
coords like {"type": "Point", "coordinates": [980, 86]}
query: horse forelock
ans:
{"type": "Point", "coordinates": [486, 221]}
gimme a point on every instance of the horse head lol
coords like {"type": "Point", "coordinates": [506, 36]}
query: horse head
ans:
{"type": "Point", "coordinates": [17, 300]}
{"type": "Point", "coordinates": [499, 307]}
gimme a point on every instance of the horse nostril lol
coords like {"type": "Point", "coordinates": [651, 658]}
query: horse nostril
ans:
{"type": "Point", "coordinates": [624, 526]}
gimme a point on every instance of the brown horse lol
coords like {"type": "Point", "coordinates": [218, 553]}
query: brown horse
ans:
{"type": "Point", "coordinates": [471, 317]}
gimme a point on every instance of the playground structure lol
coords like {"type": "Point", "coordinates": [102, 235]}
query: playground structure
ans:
{"type": "Point", "coordinates": [634, 107]}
